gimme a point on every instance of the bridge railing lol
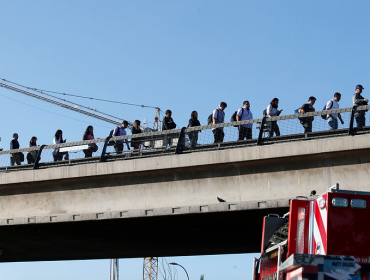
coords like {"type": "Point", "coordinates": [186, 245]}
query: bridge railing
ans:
{"type": "Point", "coordinates": [291, 128]}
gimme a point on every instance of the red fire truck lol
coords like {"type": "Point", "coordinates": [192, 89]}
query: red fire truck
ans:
{"type": "Point", "coordinates": [324, 237]}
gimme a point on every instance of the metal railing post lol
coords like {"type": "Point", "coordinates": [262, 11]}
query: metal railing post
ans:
{"type": "Point", "coordinates": [259, 141]}
{"type": "Point", "coordinates": [38, 157]}
{"type": "Point", "coordinates": [179, 147]}
{"type": "Point", "coordinates": [102, 156]}
{"type": "Point", "coordinates": [350, 130]}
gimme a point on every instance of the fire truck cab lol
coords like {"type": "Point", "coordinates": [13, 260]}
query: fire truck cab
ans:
{"type": "Point", "coordinates": [324, 237]}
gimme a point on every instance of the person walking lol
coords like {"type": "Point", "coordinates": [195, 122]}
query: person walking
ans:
{"type": "Point", "coordinates": [135, 142]}
{"type": "Point", "coordinates": [89, 135]}
{"type": "Point", "coordinates": [168, 124]}
{"type": "Point", "coordinates": [243, 114]}
{"type": "Point", "coordinates": [58, 139]}
{"type": "Point", "coordinates": [272, 111]}
{"type": "Point", "coordinates": [193, 135]}
{"type": "Point", "coordinates": [332, 119]}
{"type": "Point", "coordinates": [358, 100]}
{"type": "Point", "coordinates": [120, 131]}
{"type": "Point", "coordinates": [218, 116]}
{"type": "Point", "coordinates": [15, 157]}
{"type": "Point", "coordinates": [306, 108]}
{"type": "Point", "coordinates": [31, 156]}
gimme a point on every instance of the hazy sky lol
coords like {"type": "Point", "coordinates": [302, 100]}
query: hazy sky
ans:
{"type": "Point", "coordinates": [178, 55]}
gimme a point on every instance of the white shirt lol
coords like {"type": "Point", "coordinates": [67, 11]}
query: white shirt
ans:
{"type": "Point", "coordinates": [246, 115]}
{"type": "Point", "coordinates": [330, 107]}
{"type": "Point", "coordinates": [271, 111]}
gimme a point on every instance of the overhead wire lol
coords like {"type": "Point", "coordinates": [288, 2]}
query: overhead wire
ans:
{"type": "Point", "coordinates": [80, 96]}
{"type": "Point", "coordinates": [51, 112]}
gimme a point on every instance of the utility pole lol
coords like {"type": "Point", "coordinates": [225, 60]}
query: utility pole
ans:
{"type": "Point", "coordinates": [150, 270]}
{"type": "Point", "coordinates": [114, 269]}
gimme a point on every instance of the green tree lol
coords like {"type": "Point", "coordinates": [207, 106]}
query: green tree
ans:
{"type": "Point", "coordinates": [202, 277]}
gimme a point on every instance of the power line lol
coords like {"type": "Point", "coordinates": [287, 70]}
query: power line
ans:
{"type": "Point", "coordinates": [52, 112]}
{"type": "Point", "coordinates": [80, 96]}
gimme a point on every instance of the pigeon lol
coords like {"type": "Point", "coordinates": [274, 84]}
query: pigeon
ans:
{"type": "Point", "coordinates": [220, 199]}
{"type": "Point", "coordinates": [313, 193]}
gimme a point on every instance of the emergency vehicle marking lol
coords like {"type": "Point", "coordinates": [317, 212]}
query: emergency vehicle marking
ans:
{"type": "Point", "coordinates": [319, 229]}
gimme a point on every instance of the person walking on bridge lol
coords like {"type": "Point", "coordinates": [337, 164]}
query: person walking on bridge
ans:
{"type": "Point", "coordinates": [218, 116]}
{"type": "Point", "coordinates": [358, 100]}
{"type": "Point", "coordinates": [15, 157]}
{"type": "Point", "coordinates": [168, 124]}
{"type": "Point", "coordinates": [332, 119]}
{"type": "Point", "coordinates": [135, 142]}
{"type": "Point", "coordinates": [31, 156]}
{"type": "Point", "coordinates": [306, 108]}
{"type": "Point", "coordinates": [272, 111]}
{"type": "Point", "coordinates": [89, 135]}
{"type": "Point", "coordinates": [243, 114]}
{"type": "Point", "coordinates": [58, 139]}
{"type": "Point", "coordinates": [120, 131]}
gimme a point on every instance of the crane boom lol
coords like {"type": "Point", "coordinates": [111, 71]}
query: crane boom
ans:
{"type": "Point", "coordinates": [64, 103]}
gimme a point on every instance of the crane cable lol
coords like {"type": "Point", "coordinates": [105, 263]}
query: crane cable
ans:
{"type": "Point", "coordinates": [79, 96]}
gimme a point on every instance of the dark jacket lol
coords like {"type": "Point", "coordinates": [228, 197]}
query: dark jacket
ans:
{"type": "Point", "coordinates": [168, 123]}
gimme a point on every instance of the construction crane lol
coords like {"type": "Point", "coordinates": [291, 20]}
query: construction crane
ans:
{"type": "Point", "coordinates": [41, 95]}
{"type": "Point", "coordinates": [150, 269]}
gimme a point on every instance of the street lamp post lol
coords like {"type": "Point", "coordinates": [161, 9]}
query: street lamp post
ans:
{"type": "Point", "coordinates": [173, 263]}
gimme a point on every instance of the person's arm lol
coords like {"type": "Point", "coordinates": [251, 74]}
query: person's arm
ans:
{"type": "Point", "coordinates": [358, 101]}
{"type": "Point", "coordinates": [239, 117]}
{"type": "Point", "coordinates": [302, 110]}
{"type": "Point", "coordinates": [329, 105]}
{"type": "Point", "coordinates": [268, 111]}
{"type": "Point", "coordinates": [165, 124]}
{"type": "Point", "coordinates": [214, 117]}
{"type": "Point", "coordinates": [340, 118]}
{"type": "Point", "coordinates": [84, 137]}
{"type": "Point", "coordinates": [11, 145]}
{"type": "Point", "coordinates": [174, 124]}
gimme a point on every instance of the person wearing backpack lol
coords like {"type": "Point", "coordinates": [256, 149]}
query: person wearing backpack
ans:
{"type": "Point", "coordinates": [272, 111]}
{"type": "Point", "coordinates": [218, 116]}
{"type": "Point", "coordinates": [358, 100]}
{"type": "Point", "coordinates": [168, 124]}
{"type": "Point", "coordinates": [332, 119]}
{"type": "Point", "coordinates": [243, 114]}
{"type": "Point", "coordinates": [306, 108]}
{"type": "Point", "coordinates": [120, 131]}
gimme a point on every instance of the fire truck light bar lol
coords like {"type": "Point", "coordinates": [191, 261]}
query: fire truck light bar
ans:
{"type": "Point", "coordinates": [358, 203]}
{"type": "Point", "coordinates": [339, 202]}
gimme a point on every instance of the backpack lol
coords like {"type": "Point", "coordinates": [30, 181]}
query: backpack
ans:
{"type": "Point", "coordinates": [264, 113]}
{"type": "Point", "coordinates": [324, 116]}
{"type": "Point", "coordinates": [111, 142]}
{"type": "Point", "coordinates": [210, 118]}
{"type": "Point", "coordinates": [233, 117]}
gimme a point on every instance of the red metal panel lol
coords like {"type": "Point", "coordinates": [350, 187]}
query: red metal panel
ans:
{"type": "Point", "coordinates": [348, 229]}
{"type": "Point", "coordinates": [293, 225]}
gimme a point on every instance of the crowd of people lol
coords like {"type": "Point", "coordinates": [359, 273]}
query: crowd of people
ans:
{"type": "Point", "coordinates": [217, 117]}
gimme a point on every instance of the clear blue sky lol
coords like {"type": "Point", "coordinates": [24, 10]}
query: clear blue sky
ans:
{"type": "Point", "coordinates": [178, 55]}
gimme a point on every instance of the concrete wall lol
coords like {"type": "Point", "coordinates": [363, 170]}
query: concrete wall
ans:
{"type": "Point", "coordinates": [259, 174]}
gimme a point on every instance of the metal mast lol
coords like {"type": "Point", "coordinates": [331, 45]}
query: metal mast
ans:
{"type": "Point", "coordinates": [114, 269]}
{"type": "Point", "coordinates": [150, 271]}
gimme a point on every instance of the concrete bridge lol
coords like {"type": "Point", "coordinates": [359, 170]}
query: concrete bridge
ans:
{"type": "Point", "coordinates": [168, 205]}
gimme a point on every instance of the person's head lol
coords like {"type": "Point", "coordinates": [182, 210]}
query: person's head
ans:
{"type": "Point", "coordinates": [337, 96]}
{"type": "Point", "coordinates": [33, 140]}
{"type": "Point", "coordinates": [89, 130]}
{"type": "Point", "coordinates": [312, 100]}
{"type": "Point", "coordinates": [137, 124]}
{"type": "Point", "coordinates": [246, 104]}
{"type": "Point", "coordinates": [194, 115]}
{"type": "Point", "coordinates": [168, 113]}
{"type": "Point", "coordinates": [223, 105]}
{"type": "Point", "coordinates": [124, 124]}
{"type": "Point", "coordinates": [15, 136]}
{"type": "Point", "coordinates": [359, 88]}
{"type": "Point", "coordinates": [275, 102]}
{"type": "Point", "coordinates": [59, 134]}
